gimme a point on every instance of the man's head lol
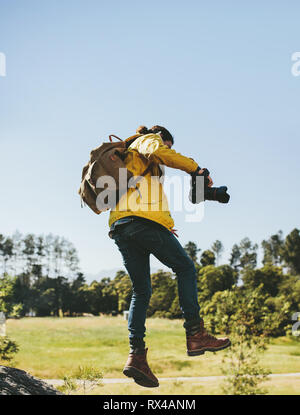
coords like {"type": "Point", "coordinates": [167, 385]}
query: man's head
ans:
{"type": "Point", "coordinates": [157, 129]}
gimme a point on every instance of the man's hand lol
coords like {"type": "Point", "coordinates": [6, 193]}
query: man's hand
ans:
{"type": "Point", "coordinates": [200, 172]}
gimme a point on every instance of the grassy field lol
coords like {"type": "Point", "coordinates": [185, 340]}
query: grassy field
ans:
{"type": "Point", "coordinates": [278, 386]}
{"type": "Point", "coordinates": [53, 347]}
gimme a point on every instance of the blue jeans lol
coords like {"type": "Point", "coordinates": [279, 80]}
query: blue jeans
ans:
{"type": "Point", "coordinates": [138, 239]}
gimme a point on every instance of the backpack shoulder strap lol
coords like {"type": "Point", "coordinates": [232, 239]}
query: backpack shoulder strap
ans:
{"type": "Point", "coordinates": [131, 139]}
{"type": "Point", "coordinates": [147, 169]}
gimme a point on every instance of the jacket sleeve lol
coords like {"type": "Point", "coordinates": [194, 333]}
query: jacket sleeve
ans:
{"type": "Point", "coordinates": [151, 146]}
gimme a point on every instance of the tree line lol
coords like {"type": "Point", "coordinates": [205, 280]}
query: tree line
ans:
{"type": "Point", "coordinates": [41, 273]}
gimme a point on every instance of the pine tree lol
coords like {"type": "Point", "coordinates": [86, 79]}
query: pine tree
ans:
{"type": "Point", "coordinates": [217, 248]}
{"type": "Point", "coordinates": [192, 251]}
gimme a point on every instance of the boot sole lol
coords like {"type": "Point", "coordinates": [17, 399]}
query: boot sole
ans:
{"type": "Point", "coordinates": [139, 377]}
{"type": "Point", "coordinates": [207, 349]}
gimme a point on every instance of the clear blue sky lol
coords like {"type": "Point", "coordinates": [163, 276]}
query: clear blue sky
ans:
{"type": "Point", "coordinates": [217, 74]}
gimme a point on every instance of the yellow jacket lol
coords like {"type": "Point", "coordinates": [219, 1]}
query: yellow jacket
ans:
{"type": "Point", "coordinates": [149, 201]}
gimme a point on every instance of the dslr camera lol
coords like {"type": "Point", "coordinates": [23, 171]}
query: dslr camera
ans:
{"type": "Point", "coordinates": [199, 193]}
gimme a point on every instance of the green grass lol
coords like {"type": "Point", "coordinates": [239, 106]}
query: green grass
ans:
{"type": "Point", "coordinates": [52, 347]}
{"type": "Point", "coordinates": [278, 386]}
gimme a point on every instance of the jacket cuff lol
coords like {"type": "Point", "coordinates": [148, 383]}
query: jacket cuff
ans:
{"type": "Point", "coordinates": [196, 171]}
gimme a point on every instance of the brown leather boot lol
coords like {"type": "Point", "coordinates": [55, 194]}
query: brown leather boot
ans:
{"type": "Point", "coordinates": [137, 368]}
{"type": "Point", "coordinates": [198, 341]}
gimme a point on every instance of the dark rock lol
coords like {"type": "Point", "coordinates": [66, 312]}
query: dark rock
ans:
{"type": "Point", "coordinates": [18, 382]}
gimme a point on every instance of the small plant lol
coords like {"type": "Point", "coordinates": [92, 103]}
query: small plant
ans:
{"type": "Point", "coordinates": [84, 378]}
{"type": "Point", "coordinates": [68, 386]}
{"type": "Point", "coordinates": [8, 349]}
{"type": "Point", "coordinates": [241, 364]}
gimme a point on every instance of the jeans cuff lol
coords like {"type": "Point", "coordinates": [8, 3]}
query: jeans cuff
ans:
{"type": "Point", "coordinates": [136, 343]}
{"type": "Point", "coordinates": [192, 322]}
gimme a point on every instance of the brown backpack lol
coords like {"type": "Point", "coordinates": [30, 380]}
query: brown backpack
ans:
{"type": "Point", "coordinates": [106, 160]}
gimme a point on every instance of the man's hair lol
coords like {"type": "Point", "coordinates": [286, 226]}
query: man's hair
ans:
{"type": "Point", "coordinates": [165, 134]}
